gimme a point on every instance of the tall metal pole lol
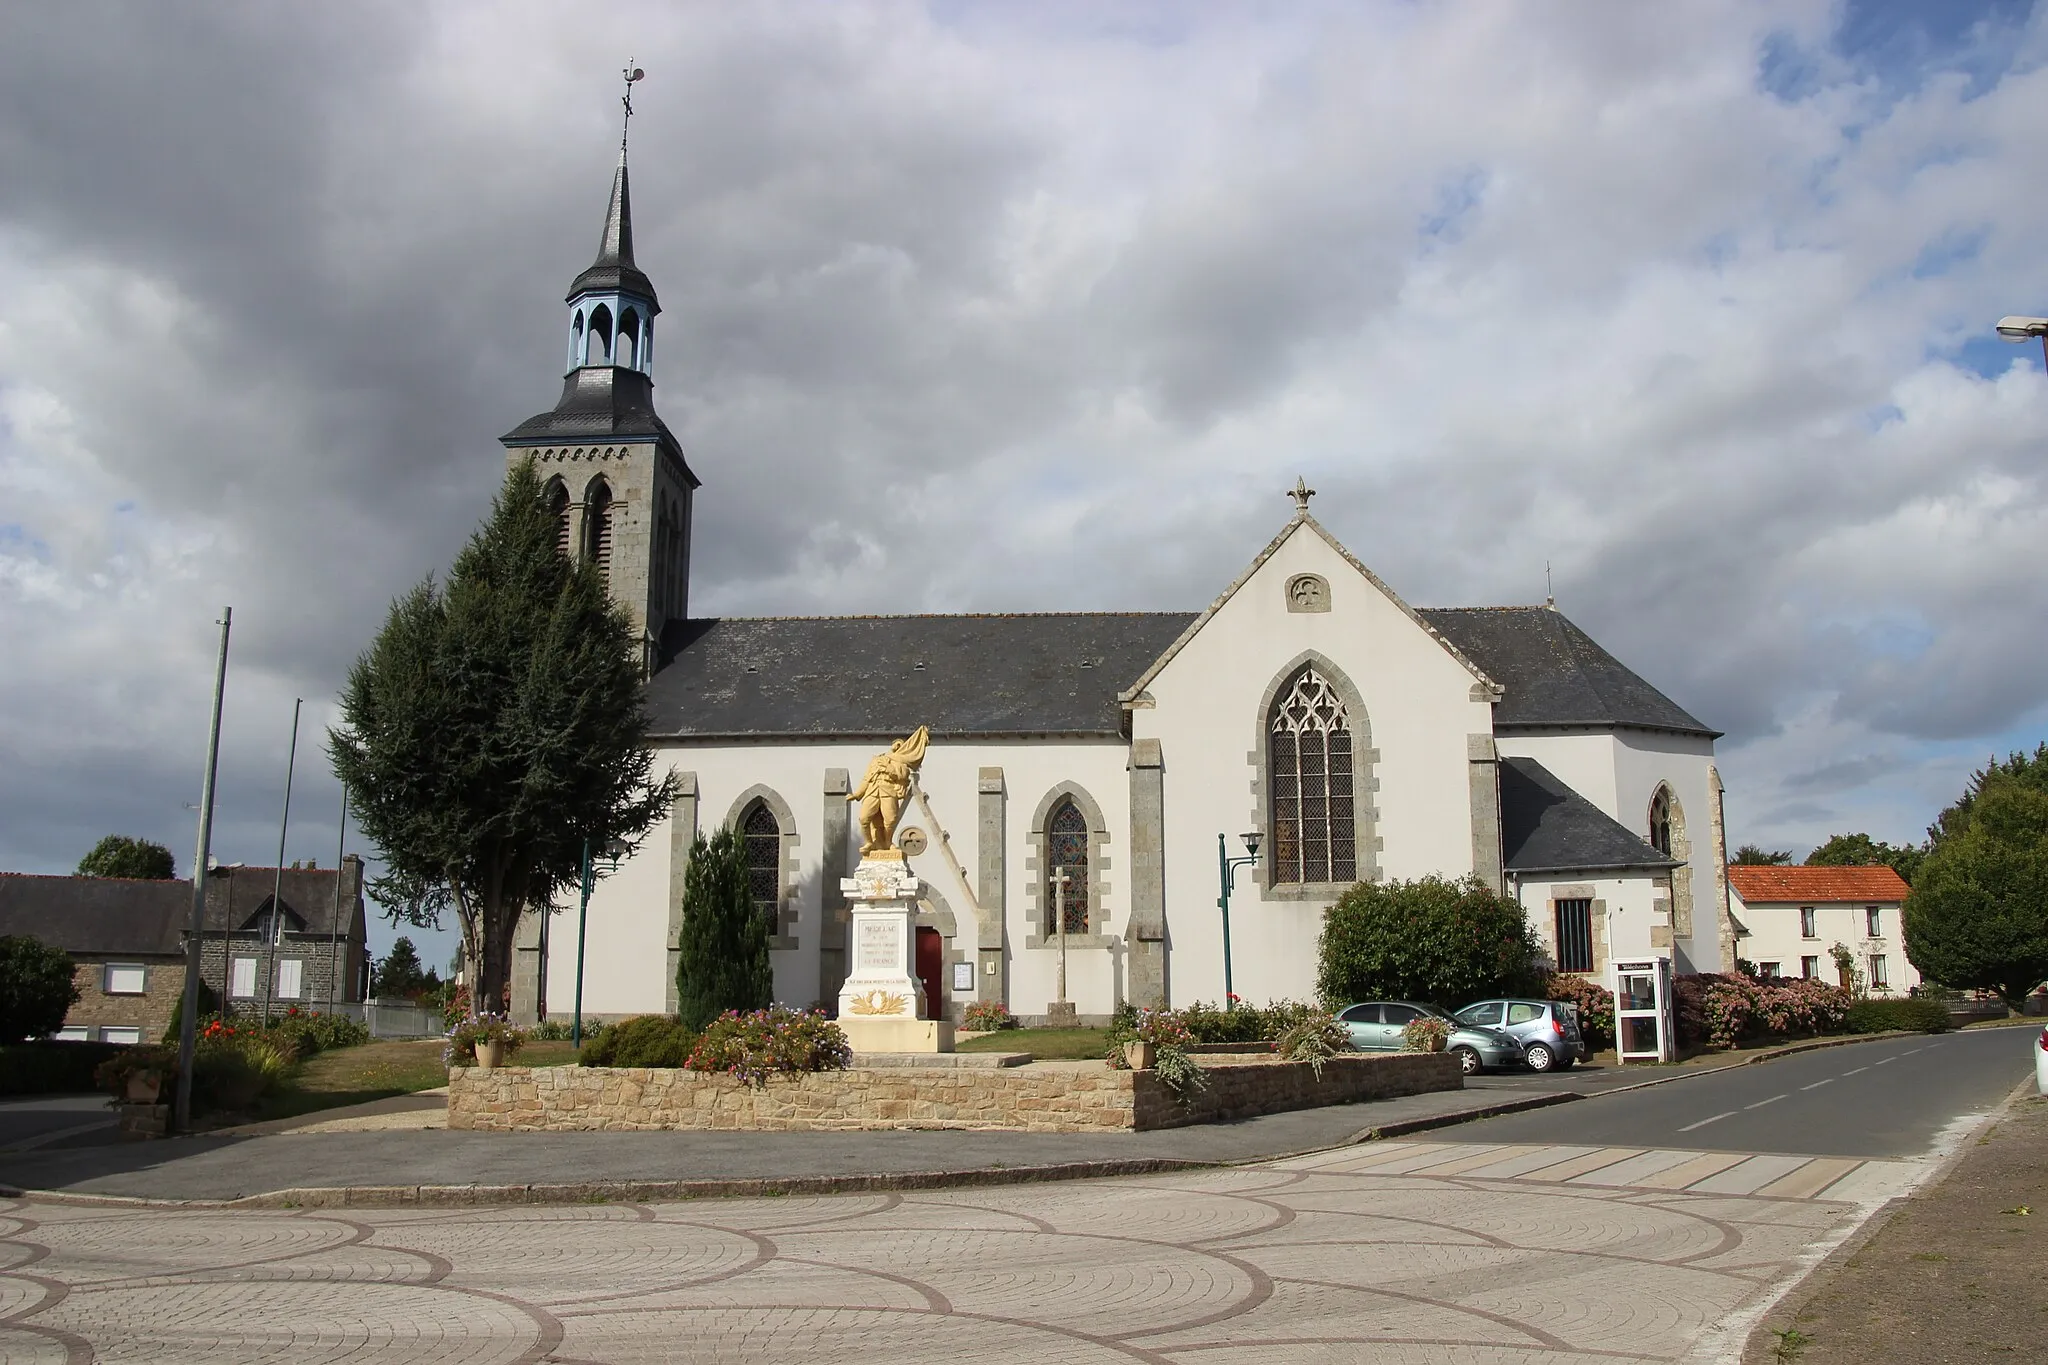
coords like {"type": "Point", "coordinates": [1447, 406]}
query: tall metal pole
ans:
{"type": "Point", "coordinates": [334, 929]}
{"type": "Point", "coordinates": [582, 919]}
{"type": "Point", "coordinates": [1223, 864]}
{"type": "Point", "coordinates": [275, 930]}
{"type": "Point", "coordinates": [195, 939]}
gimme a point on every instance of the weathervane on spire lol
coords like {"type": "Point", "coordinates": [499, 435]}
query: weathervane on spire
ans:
{"type": "Point", "coordinates": [1301, 493]}
{"type": "Point", "coordinates": [631, 73]}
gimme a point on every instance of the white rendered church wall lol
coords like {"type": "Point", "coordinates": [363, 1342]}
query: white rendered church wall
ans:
{"type": "Point", "coordinates": [1584, 760]}
{"type": "Point", "coordinates": [1646, 759]}
{"type": "Point", "coordinates": [1207, 717]}
{"type": "Point", "coordinates": [1031, 773]}
{"type": "Point", "coordinates": [627, 953]}
{"type": "Point", "coordinates": [1631, 908]}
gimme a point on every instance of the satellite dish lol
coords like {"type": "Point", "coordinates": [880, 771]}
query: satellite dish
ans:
{"type": "Point", "coordinates": [638, 75]}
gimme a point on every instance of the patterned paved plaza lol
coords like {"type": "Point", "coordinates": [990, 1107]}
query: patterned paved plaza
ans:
{"type": "Point", "coordinates": [1398, 1252]}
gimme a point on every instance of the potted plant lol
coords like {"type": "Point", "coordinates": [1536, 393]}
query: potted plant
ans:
{"type": "Point", "coordinates": [1426, 1033]}
{"type": "Point", "coordinates": [1141, 1054]}
{"type": "Point", "coordinates": [137, 1075]}
{"type": "Point", "coordinates": [486, 1039]}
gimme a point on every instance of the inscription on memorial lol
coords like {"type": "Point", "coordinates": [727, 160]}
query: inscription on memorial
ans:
{"type": "Point", "coordinates": [880, 948]}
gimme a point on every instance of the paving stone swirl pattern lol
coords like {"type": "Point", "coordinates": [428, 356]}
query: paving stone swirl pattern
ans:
{"type": "Point", "coordinates": [1325, 1258]}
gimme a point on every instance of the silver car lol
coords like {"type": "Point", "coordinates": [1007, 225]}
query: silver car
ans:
{"type": "Point", "coordinates": [1548, 1030]}
{"type": "Point", "coordinates": [1379, 1026]}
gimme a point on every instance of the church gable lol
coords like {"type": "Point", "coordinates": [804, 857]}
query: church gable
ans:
{"type": "Point", "coordinates": [1305, 572]}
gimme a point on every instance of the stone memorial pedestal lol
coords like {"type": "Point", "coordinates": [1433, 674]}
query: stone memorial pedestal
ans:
{"type": "Point", "coordinates": [881, 1006]}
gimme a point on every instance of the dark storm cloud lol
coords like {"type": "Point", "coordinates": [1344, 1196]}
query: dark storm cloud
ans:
{"type": "Point", "coordinates": [1018, 310]}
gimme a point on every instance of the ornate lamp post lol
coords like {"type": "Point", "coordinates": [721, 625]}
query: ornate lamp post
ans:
{"type": "Point", "coordinates": [1227, 867]}
{"type": "Point", "coordinates": [2018, 329]}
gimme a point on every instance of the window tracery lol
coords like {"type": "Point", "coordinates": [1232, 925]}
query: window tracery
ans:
{"type": "Point", "coordinates": [1315, 831]}
{"type": "Point", "coordinates": [1066, 850]}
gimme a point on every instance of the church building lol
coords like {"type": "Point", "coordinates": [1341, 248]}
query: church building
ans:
{"type": "Point", "coordinates": [1092, 772]}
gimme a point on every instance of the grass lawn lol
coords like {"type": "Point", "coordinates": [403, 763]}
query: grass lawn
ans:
{"type": "Point", "coordinates": [375, 1071]}
{"type": "Point", "coordinates": [1046, 1044]}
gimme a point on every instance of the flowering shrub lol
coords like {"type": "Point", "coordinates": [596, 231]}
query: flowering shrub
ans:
{"type": "Point", "coordinates": [482, 1028]}
{"type": "Point", "coordinates": [456, 1007]}
{"type": "Point", "coordinates": [1596, 1007]}
{"type": "Point", "coordinates": [1171, 1038]}
{"type": "Point", "coordinates": [1244, 1023]}
{"type": "Point", "coordinates": [1426, 1033]}
{"type": "Point", "coordinates": [1731, 1008]}
{"type": "Point", "coordinates": [755, 1045]}
{"type": "Point", "coordinates": [306, 1032]}
{"type": "Point", "coordinates": [987, 1016]}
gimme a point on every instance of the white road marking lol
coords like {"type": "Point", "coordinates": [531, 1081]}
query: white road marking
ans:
{"type": "Point", "coordinates": [1887, 1059]}
{"type": "Point", "coordinates": [1818, 1084]}
{"type": "Point", "coordinates": [1910, 1051]}
{"type": "Point", "coordinates": [1704, 1122]}
{"type": "Point", "coordinates": [1761, 1103]}
{"type": "Point", "coordinates": [1860, 1068]}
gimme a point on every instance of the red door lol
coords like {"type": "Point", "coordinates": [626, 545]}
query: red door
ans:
{"type": "Point", "coordinates": [931, 969]}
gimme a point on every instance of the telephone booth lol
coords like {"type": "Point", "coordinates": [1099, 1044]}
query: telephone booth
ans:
{"type": "Point", "coordinates": [1644, 1015]}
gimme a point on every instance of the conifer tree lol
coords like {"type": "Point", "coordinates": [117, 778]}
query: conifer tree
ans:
{"type": "Point", "coordinates": [493, 726]}
{"type": "Point", "coordinates": [723, 958]}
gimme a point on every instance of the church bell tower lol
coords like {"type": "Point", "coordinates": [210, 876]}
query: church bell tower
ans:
{"type": "Point", "coordinates": [614, 474]}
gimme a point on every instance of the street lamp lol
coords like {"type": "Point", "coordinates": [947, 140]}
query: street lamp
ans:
{"type": "Point", "coordinates": [1228, 867]}
{"type": "Point", "coordinates": [2022, 329]}
{"type": "Point", "coordinates": [613, 850]}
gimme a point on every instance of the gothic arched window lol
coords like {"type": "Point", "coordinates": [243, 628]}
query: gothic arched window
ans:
{"type": "Point", "coordinates": [1315, 829]}
{"type": "Point", "coordinates": [1660, 821]}
{"type": "Point", "coordinates": [629, 339]}
{"type": "Point", "coordinates": [597, 528]}
{"type": "Point", "coordinates": [558, 510]}
{"type": "Point", "coordinates": [600, 336]}
{"type": "Point", "coordinates": [764, 860]}
{"type": "Point", "coordinates": [1066, 850]}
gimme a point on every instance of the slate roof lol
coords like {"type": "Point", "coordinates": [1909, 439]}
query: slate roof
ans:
{"type": "Point", "coordinates": [613, 270]}
{"type": "Point", "coordinates": [97, 916]}
{"type": "Point", "coordinates": [1545, 826]}
{"type": "Point", "coordinates": [871, 676]}
{"type": "Point", "coordinates": [1815, 885]}
{"type": "Point", "coordinates": [598, 403]}
{"type": "Point", "coordinates": [110, 916]}
{"type": "Point", "coordinates": [1553, 673]}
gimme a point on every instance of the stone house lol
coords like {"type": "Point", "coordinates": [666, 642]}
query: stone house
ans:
{"type": "Point", "coordinates": [1085, 767]}
{"type": "Point", "coordinates": [127, 941]}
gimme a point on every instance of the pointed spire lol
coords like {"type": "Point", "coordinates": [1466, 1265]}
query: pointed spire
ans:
{"type": "Point", "coordinates": [613, 269]}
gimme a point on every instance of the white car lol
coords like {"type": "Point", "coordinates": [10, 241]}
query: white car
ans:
{"type": "Point", "coordinates": [2041, 1062]}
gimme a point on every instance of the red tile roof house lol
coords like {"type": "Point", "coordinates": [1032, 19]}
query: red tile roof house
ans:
{"type": "Point", "coordinates": [1789, 920]}
{"type": "Point", "coordinates": [127, 941]}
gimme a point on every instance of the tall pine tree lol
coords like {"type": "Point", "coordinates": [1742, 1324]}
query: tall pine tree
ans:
{"type": "Point", "coordinates": [493, 726]}
{"type": "Point", "coordinates": [724, 943]}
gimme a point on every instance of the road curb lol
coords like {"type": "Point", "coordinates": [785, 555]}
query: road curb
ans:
{"type": "Point", "coordinates": [627, 1191]}
{"type": "Point", "coordinates": [1403, 1127]}
{"type": "Point", "coordinates": [1784, 1311]}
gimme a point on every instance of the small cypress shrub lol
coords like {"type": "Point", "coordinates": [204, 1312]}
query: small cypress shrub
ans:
{"type": "Point", "coordinates": [644, 1040]}
{"type": "Point", "coordinates": [723, 948]}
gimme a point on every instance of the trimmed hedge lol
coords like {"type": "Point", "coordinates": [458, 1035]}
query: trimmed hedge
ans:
{"type": "Point", "coordinates": [644, 1040]}
{"type": "Point", "coordinates": [1883, 1016]}
{"type": "Point", "coordinates": [50, 1067]}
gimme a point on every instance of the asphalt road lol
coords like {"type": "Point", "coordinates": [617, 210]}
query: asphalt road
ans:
{"type": "Point", "coordinates": [40, 1119]}
{"type": "Point", "coordinates": [1889, 1098]}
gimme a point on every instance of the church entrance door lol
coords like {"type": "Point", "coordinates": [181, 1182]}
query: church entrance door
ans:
{"type": "Point", "coordinates": [931, 969]}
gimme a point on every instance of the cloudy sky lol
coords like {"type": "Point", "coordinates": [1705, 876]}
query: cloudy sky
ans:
{"type": "Point", "coordinates": [999, 307]}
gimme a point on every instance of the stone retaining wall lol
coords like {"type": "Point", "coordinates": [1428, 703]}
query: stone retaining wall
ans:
{"type": "Point", "coordinates": [1041, 1099]}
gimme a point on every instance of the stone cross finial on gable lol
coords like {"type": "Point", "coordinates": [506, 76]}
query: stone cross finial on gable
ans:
{"type": "Point", "coordinates": [1301, 493]}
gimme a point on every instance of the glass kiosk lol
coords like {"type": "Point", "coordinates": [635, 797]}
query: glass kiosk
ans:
{"type": "Point", "coordinates": [1643, 1011]}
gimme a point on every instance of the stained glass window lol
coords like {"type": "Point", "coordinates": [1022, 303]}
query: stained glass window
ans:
{"type": "Point", "coordinates": [1066, 850]}
{"type": "Point", "coordinates": [764, 860]}
{"type": "Point", "coordinates": [1315, 830]}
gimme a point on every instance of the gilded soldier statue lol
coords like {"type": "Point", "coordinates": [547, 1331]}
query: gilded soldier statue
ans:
{"type": "Point", "coordinates": [882, 791]}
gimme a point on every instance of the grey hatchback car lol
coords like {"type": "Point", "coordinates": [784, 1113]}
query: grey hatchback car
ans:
{"type": "Point", "coordinates": [1548, 1030]}
{"type": "Point", "coordinates": [1378, 1025]}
